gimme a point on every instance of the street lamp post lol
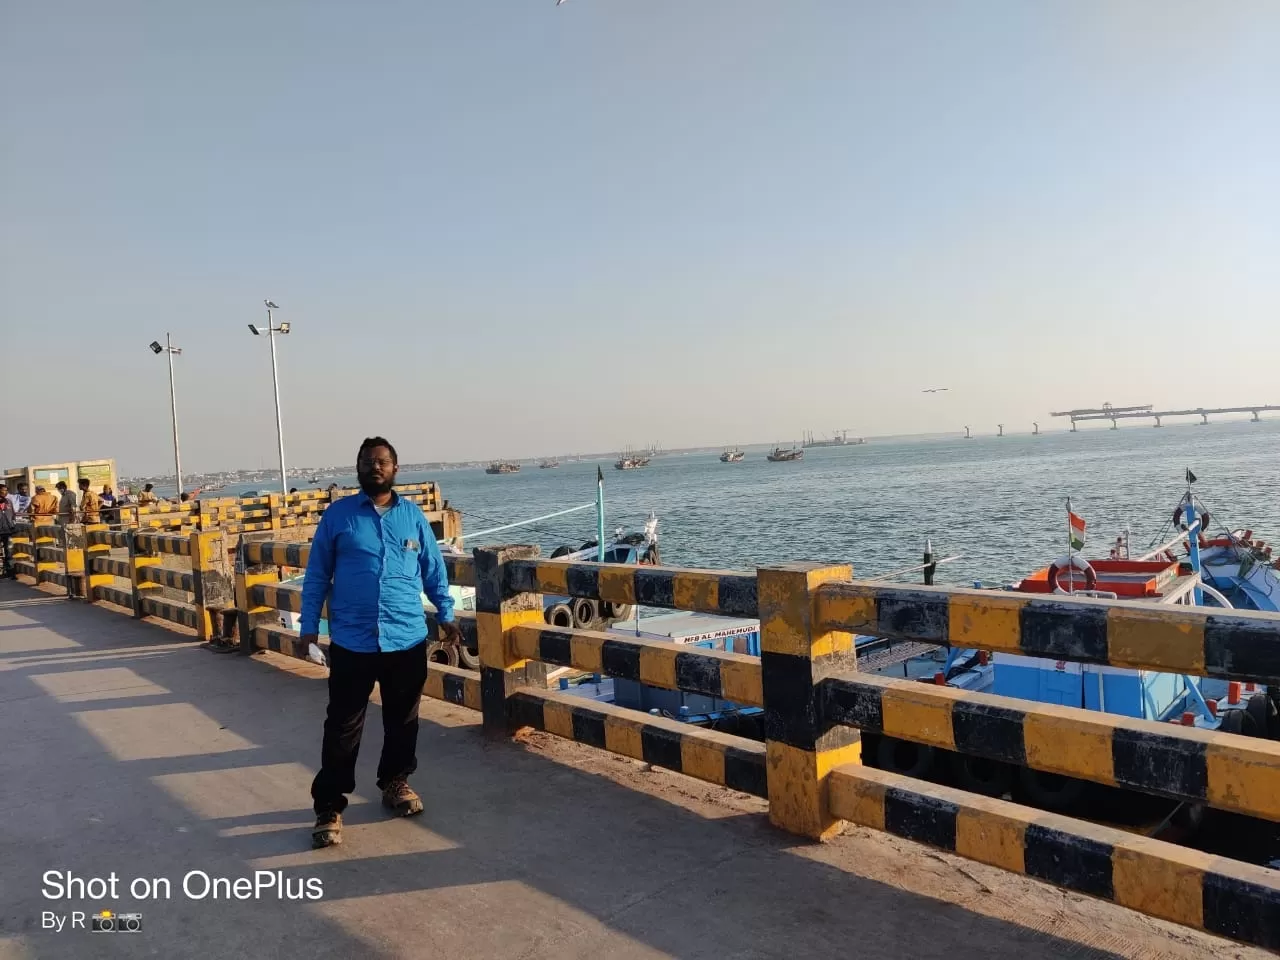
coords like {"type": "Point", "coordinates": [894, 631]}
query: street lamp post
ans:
{"type": "Point", "coordinates": [272, 330]}
{"type": "Point", "coordinates": [171, 350]}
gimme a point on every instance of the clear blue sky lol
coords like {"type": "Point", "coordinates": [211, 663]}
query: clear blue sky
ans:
{"type": "Point", "coordinates": [502, 228]}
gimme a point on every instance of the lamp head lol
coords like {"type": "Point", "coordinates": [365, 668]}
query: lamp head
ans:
{"type": "Point", "coordinates": [155, 347]}
{"type": "Point", "coordinates": [284, 327]}
{"type": "Point", "coordinates": [253, 329]}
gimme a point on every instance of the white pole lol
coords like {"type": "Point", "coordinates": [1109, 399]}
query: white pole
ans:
{"type": "Point", "coordinates": [275, 383]}
{"type": "Point", "coordinates": [173, 409]}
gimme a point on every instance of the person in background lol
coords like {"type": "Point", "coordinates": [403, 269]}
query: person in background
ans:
{"type": "Point", "coordinates": [8, 527]}
{"type": "Point", "coordinates": [184, 497]}
{"type": "Point", "coordinates": [148, 497]}
{"type": "Point", "coordinates": [21, 500]}
{"type": "Point", "coordinates": [43, 506]}
{"type": "Point", "coordinates": [68, 505]}
{"type": "Point", "coordinates": [109, 512]}
{"type": "Point", "coordinates": [90, 503]}
{"type": "Point", "coordinates": [372, 557]}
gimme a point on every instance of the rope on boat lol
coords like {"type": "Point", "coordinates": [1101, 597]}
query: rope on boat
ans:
{"type": "Point", "coordinates": [524, 523]}
{"type": "Point", "coordinates": [917, 568]}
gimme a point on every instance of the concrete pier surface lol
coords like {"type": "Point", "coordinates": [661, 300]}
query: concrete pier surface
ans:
{"type": "Point", "coordinates": [128, 748]}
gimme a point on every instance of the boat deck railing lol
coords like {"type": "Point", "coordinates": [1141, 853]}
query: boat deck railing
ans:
{"type": "Point", "coordinates": [816, 702]}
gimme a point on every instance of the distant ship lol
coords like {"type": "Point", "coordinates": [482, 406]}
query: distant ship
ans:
{"type": "Point", "coordinates": [502, 467]}
{"type": "Point", "coordinates": [780, 455]}
{"type": "Point", "coordinates": [630, 461]}
{"type": "Point", "coordinates": [548, 464]}
{"type": "Point", "coordinates": [732, 456]}
{"type": "Point", "coordinates": [839, 438]}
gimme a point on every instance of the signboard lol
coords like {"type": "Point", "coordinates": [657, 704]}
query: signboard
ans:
{"type": "Point", "coordinates": [48, 478]}
{"type": "Point", "coordinates": [98, 474]}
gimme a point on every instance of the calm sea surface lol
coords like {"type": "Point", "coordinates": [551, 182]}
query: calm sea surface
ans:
{"type": "Point", "coordinates": [999, 502]}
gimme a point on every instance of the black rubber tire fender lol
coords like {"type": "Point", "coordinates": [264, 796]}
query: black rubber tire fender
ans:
{"type": "Point", "coordinates": [585, 612]}
{"type": "Point", "coordinates": [902, 756]}
{"type": "Point", "coordinates": [559, 615]}
{"type": "Point", "coordinates": [991, 778]}
{"type": "Point", "coordinates": [1050, 791]}
{"type": "Point", "coordinates": [446, 653]}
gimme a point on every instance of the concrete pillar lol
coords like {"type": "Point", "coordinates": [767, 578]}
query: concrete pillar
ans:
{"type": "Point", "coordinates": [247, 576]}
{"type": "Point", "coordinates": [140, 557]}
{"type": "Point", "coordinates": [91, 551]}
{"type": "Point", "coordinates": [23, 547]}
{"type": "Point", "coordinates": [795, 655]}
{"type": "Point", "coordinates": [498, 609]}
{"type": "Point", "coordinates": [212, 587]}
{"type": "Point", "coordinates": [43, 535]}
{"type": "Point", "coordinates": [275, 503]}
{"type": "Point", "coordinates": [71, 538]}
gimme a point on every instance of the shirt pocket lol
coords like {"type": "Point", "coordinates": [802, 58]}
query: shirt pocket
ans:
{"type": "Point", "coordinates": [405, 559]}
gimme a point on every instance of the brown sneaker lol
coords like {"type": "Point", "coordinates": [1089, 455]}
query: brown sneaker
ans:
{"type": "Point", "coordinates": [327, 831]}
{"type": "Point", "coordinates": [399, 796]}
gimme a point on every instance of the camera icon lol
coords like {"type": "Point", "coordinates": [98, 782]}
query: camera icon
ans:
{"type": "Point", "coordinates": [108, 922]}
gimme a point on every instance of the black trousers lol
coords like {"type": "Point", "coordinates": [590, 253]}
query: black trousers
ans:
{"type": "Point", "coordinates": [400, 675]}
{"type": "Point", "coordinates": [6, 555]}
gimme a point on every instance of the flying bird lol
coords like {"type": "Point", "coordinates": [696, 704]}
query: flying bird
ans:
{"type": "Point", "coordinates": [936, 390]}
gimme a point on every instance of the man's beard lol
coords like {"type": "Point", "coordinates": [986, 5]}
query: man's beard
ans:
{"type": "Point", "coordinates": [372, 486]}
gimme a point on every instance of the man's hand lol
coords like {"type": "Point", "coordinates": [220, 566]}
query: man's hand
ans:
{"type": "Point", "coordinates": [449, 632]}
{"type": "Point", "coordinates": [310, 638]}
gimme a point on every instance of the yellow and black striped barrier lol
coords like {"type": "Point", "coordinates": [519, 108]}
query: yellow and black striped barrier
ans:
{"type": "Point", "coordinates": [1235, 645]}
{"type": "Point", "coordinates": [111, 567]}
{"type": "Point", "coordinates": [281, 641]}
{"type": "Point", "coordinates": [1209, 893]}
{"type": "Point", "coordinates": [174, 579]}
{"type": "Point", "coordinates": [121, 598]}
{"type": "Point", "coordinates": [177, 545]}
{"type": "Point", "coordinates": [280, 554]}
{"type": "Point", "coordinates": [105, 537]}
{"type": "Point", "coordinates": [724, 592]}
{"type": "Point", "coordinates": [173, 612]}
{"type": "Point", "coordinates": [728, 761]}
{"type": "Point", "coordinates": [276, 597]}
{"type": "Point", "coordinates": [659, 663]}
{"type": "Point", "coordinates": [453, 685]}
{"type": "Point", "coordinates": [1231, 772]}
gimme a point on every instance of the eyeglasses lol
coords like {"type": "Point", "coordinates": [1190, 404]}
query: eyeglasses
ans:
{"type": "Point", "coordinates": [382, 462]}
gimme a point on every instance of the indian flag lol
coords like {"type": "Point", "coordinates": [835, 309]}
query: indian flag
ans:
{"type": "Point", "coordinates": [1076, 524]}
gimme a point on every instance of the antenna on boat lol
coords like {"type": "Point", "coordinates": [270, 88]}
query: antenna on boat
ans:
{"type": "Point", "coordinates": [599, 515]}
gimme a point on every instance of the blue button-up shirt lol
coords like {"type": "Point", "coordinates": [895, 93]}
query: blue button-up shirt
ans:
{"type": "Point", "coordinates": [373, 571]}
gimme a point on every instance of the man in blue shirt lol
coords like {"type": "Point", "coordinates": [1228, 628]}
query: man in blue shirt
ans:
{"type": "Point", "coordinates": [372, 557]}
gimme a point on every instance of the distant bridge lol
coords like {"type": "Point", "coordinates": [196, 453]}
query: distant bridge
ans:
{"type": "Point", "coordinates": [1115, 414]}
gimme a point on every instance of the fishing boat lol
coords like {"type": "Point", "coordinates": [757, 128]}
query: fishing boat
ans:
{"type": "Point", "coordinates": [630, 460]}
{"type": "Point", "coordinates": [780, 455]}
{"type": "Point", "coordinates": [732, 456]}
{"type": "Point", "coordinates": [502, 466]}
{"type": "Point", "coordinates": [548, 464]}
